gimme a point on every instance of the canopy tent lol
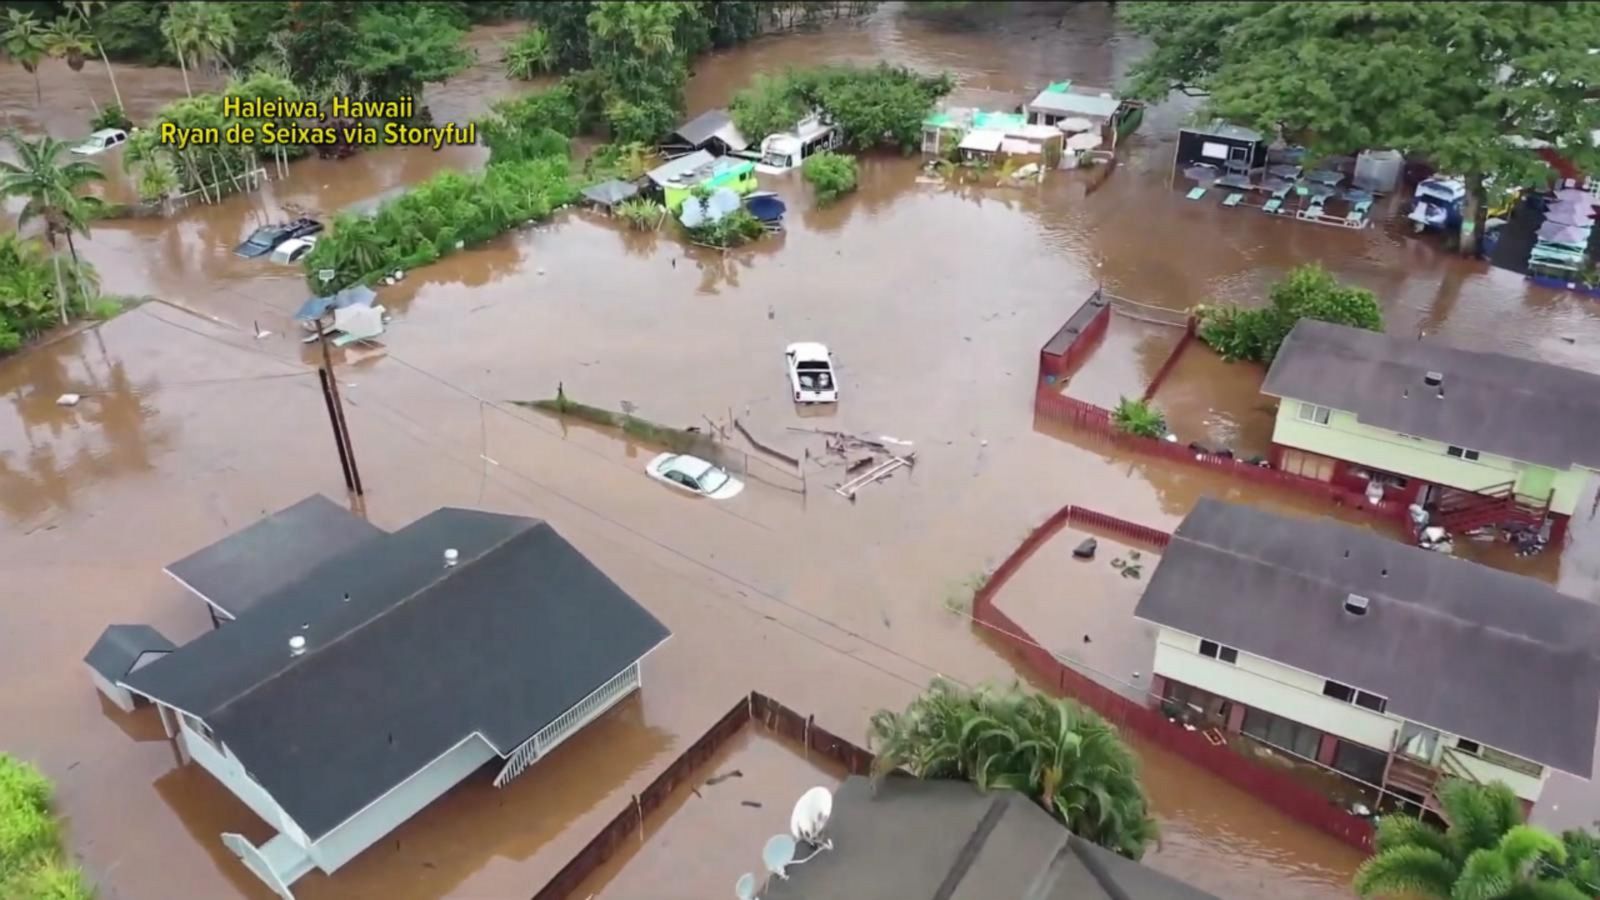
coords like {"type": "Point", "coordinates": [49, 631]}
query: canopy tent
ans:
{"type": "Point", "coordinates": [317, 307]}
{"type": "Point", "coordinates": [1555, 233]}
{"type": "Point", "coordinates": [1075, 124]}
{"type": "Point", "coordinates": [610, 193]}
{"type": "Point", "coordinates": [1568, 215]}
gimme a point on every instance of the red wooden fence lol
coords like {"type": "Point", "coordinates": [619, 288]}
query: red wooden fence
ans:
{"type": "Point", "coordinates": [1270, 785]}
{"type": "Point", "coordinates": [1172, 360]}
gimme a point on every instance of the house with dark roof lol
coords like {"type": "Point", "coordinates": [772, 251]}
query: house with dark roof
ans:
{"type": "Point", "coordinates": [1476, 438]}
{"type": "Point", "coordinates": [947, 839]}
{"type": "Point", "coordinates": [1390, 663]}
{"type": "Point", "coordinates": [348, 689]}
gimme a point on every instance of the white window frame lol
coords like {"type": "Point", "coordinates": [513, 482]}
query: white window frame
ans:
{"type": "Point", "coordinates": [1467, 453]}
{"type": "Point", "coordinates": [1316, 415]}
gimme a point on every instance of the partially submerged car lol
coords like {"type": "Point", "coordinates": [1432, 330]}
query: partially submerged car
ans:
{"type": "Point", "coordinates": [695, 475]}
{"type": "Point", "coordinates": [101, 141]}
{"type": "Point", "coordinates": [293, 250]}
{"type": "Point", "coordinates": [266, 238]}
{"type": "Point", "coordinates": [811, 373]}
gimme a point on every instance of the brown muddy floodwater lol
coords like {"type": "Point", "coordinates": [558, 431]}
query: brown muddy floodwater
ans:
{"type": "Point", "coordinates": [935, 299]}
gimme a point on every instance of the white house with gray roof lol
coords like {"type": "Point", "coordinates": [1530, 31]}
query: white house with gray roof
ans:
{"type": "Point", "coordinates": [347, 691]}
{"type": "Point", "coordinates": [1392, 664]}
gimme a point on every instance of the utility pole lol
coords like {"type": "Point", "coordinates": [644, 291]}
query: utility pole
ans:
{"type": "Point", "coordinates": [330, 393]}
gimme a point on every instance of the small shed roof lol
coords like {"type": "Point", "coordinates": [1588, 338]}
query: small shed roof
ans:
{"type": "Point", "coordinates": [236, 572]}
{"type": "Point", "coordinates": [404, 658]}
{"type": "Point", "coordinates": [1505, 405]}
{"type": "Point", "coordinates": [982, 141]}
{"type": "Point", "coordinates": [610, 193]}
{"type": "Point", "coordinates": [1066, 103]}
{"type": "Point", "coordinates": [1494, 657]}
{"type": "Point", "coordinates": [1227, 130]}
{"type": "Point", "coordinates": [713, 123]}
{"type": "Point", "coordinates": [916, 838]}
{"type": "Point", "coordinates": [120, 646]}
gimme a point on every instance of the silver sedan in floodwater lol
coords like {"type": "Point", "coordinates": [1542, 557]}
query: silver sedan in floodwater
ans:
{"type": "Point", "coordinates": [693, 474]}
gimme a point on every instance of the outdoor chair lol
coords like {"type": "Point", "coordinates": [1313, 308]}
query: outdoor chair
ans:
{"type": "Point", "coordinates": [1273, 205]}
{"type": "Point", "coordinates": [1233, 199]}
{"type": "Point", "coordinates": [1196, 193]}
{"type": "Point", "coordinates": [1358, 213]}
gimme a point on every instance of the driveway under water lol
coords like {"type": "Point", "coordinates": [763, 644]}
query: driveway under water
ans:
{"type": "Point", "coordinates": [935, 300]}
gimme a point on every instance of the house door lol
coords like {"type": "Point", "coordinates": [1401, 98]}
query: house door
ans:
{"type": "Point", "coordinates": [1239, 159]}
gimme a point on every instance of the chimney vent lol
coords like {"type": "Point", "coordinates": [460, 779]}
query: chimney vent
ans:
{"type": "Point", "coordinates": [450, 557]}
{"type": "Point", "coordinates": [1355, 604]}
{"type": "Point", "coordinates": [1433, 379]}
{"type": "Point", "coordinates": [297, 645]}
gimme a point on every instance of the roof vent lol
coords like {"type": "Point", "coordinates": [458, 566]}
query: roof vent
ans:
{"type": "Point", "coordinates": [450, 557]}
{"type": "Point", "coordinates": [1355, 604]}
{"type": "Point", "coordinates": [1433, 379]}
{"type": "Point", "coordinates": [297, 645]}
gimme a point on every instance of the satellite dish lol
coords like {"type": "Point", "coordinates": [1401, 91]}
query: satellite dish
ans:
{"type": "Point", "coordinates": [777, 854]}
{"type": "Point", "coordinates": [722, 201]}
{"type": "Point", "coordinates": [745, 887]}
{"type": "Point", "coordinates": [810, 817]}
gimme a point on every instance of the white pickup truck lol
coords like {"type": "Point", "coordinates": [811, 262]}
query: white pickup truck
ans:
{"type": "Point", "coordinates": [811, 373]}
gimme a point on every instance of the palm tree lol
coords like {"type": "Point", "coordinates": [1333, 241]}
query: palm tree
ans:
{"type": "Point", "coordinates": [68, 38]}
{"type": "Point", "coordinates": [50, 187]}
{"type": "Point", "coordinates": [199, 32]}
{"type": "Point", "coordinates": [23, 40]}
{"type": "Point", "coordinates": [1487, 854]}
{"type": "Point", "coordinates": [82, 9]}
{"type": "Point", "coordinates": [1068, 759]}
{"type": "Point", "coordinates": [529, 55]}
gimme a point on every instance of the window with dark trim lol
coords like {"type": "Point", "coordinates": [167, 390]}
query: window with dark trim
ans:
{"type": "Point", "coordinates": [1341, 692]}
{"type": "Point", "coordinates": [1462, 453]}
{"type": "Point", "coordinates": [1344, 693]}
{"type": "Point", "coordinates": [1466, 746]}
{"type": "Point", "coordinates": [1219, 651]}
{"type": "Point", "coordinates": [1371, 701]}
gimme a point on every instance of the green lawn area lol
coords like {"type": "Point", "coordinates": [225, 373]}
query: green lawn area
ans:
{"type": "Point", "coordinates": [31, 863]}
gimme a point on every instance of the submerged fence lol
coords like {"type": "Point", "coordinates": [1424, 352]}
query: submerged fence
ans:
{"type": "Point", "coordinates": [1276, 788]}
{"type": "Point", "coordinates": [630, 823]}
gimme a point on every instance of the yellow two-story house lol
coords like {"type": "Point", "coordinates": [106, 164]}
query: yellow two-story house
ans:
{"type": "Point", "coordinates": [1391, 664]}
{"type": "Point", "coordinates": [1475, 438]}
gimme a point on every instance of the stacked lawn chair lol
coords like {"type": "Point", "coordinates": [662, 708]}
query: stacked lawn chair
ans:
{"type": "Point", "coordinates": [1563, 245]}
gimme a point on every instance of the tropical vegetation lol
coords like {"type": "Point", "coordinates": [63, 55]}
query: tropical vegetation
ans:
{"type": "Point", "coordinates": [23, 41]}
{"type": "Point", "coordinates": [1139, 418]}
{"type": "Point", "coordinates": [1451, 82]}
{"type": "Point", "coordinates": [872, 107]}
{"type": "Point", "coordinates": [32, 863]}
{"type": "Point", "coordinates": [1488, 853]}
{"type": "Point", "coordinates": [1063, 756]}
{"type": "Point", "coordinates": [735, 229]}
{"type": "Point", "coordinates": [641, 215]}
{"type": "Point", "coordinates": [530, 55]}
{"type": "Point", "coordinates": [50, 183]}
{"type": "Point", "coordinates": [831, 175]}
{"type": "Point", "coordinates": [1237, 333]}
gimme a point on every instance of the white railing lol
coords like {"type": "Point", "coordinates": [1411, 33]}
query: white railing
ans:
{"type": "Point", "coordinates": [565, 725]}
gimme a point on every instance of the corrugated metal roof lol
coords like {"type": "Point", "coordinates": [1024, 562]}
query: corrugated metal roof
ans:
{"type": "Point", "coordinates": [1497, 658]}
{"type": "Point", "coordinates": [1070, 104]}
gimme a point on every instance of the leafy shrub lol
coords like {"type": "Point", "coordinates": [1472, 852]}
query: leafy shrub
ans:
{"type": "Point", "coordinates": [770, 105]}
{"type": "Point", "coordinates": [880, 106]}
{"type": "Point", "coordinates": [640, 214]}
{"type": "Point", "coordinates": [1309, 292]}
{"type": "Point", "coordinates": [110, 116]}
{"type": "Point", "coordinates": [30, 847]}
{"type": "Point", "coordinates": [104, 307]}
{"type": "Point", "coordinates": [732, 230]}
{"type": "Point", "coordinates": [530, 55]}
{"type": "Point", "coordinates": [624, 162]}
{"type": "Point", "coordinates": [1139, 418]}
{"type": "Point", "coordinates": [830, 175]}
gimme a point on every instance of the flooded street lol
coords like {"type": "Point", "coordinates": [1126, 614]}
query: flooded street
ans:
{"type": "Point", "coordinates": [935, 300]}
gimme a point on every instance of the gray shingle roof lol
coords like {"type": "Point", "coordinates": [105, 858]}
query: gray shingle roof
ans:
{"type": "Point", "coordinates": [610, 193]}
{"type": "Point", "coordinates": [1498, 658]}
{"type": "Point", "coordinates": [914, 836]}
{"type": "Point", "coordinates": [713, 123]}
{"type": "Point", "coordinates": [418, 658]}
{"type": "Point", "coordinates": [120, 646]}
{"type": "Point", "coordinates": [237, 571]}
{"type": "Point", "coordinates": [1504, 405]}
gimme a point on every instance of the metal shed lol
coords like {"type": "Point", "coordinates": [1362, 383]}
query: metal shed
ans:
{"type": "Point", "coordinates": [1230, 148]}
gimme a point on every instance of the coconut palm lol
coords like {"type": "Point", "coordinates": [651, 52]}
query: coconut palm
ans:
{"type": "Point", "coordinates": [1068, 759]}
{"type": "Point", "coordinates": [23, 40]}
{"type": "Point", "coordinates": [68, 38]}
{"type": "Point", "coordinates": [1487, 854]}
{"type": "Point", "coordinates": [529, 55]}
{"type": "Point", "coordinates": [84, 10]}
{"type": "Point", "coordinates": [199, 32]}
{"type": "Point", "coordinates": [51, 188]}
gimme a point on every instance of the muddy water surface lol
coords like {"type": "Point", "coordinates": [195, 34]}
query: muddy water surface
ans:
{"type": "Point", "coordinates": [935, 298]}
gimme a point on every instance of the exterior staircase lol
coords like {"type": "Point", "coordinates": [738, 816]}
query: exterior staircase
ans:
{"type": "Point", "coordinates": [1500, 505]}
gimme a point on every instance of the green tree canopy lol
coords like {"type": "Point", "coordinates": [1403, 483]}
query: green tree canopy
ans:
{"type": "Point", "coordinates": [1066, 758]}
{"type": "Point", "coordinates": [398, 50]}
{"type": "Point", "coordinates": [1487, 854]}
{"type": "Point", "coordinates": [880, 106]}
{"type": "Point", "coordinates": [1449, 81]}
{"type": "Point", "coordinates": [1238, 333]}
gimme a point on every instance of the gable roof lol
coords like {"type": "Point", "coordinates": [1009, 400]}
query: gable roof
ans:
{"type": "Point", "coordinates": [610, 192]}
{"type": "Point", "coordinates": [120, 646]}
{"type": "Point", "coordinates": [1074, 104]}
{"type": "Point", "coordinates": [913, 836]}
{"type": "Point", "coordinates": [1505, 405]}
{"type": "Point", "coordinates": [419, 657]}
{"type": "Point", "coordinates": [713, 123]}
{"type": "Point", "coordinates": [236, 572]}
{"type": "Point", "coordinates": [1497, 658]}
{"type": "Point", "coordinates": [667, 173]}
